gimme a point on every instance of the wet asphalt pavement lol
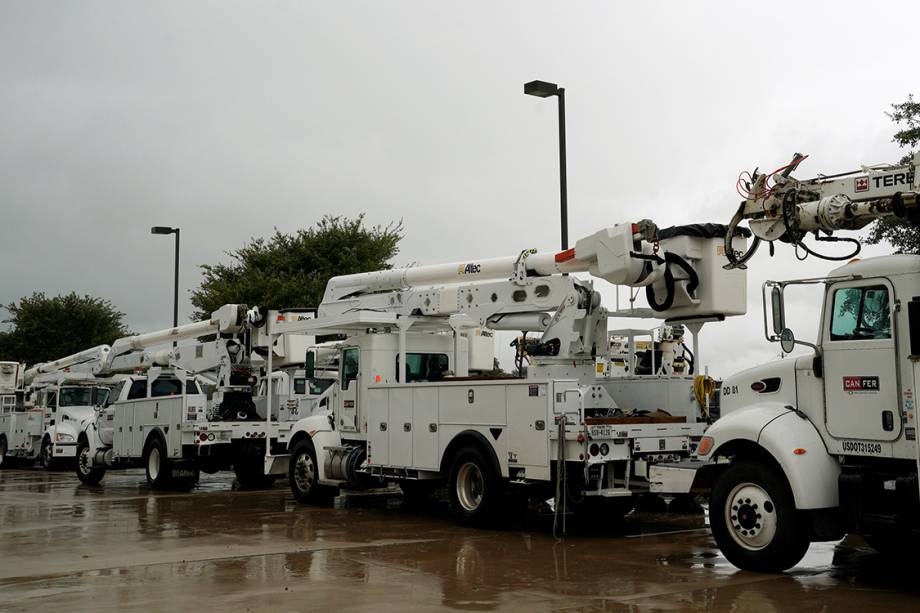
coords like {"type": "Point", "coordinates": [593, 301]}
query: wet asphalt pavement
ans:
{"type": "Point", "coordinates": [121, 547]}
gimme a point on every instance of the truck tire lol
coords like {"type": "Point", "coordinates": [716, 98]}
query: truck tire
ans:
{"type": "Point", "coordinates": [754, 520]}
{"type": "Point", "coordinates": [476, 490]}
{"type": "Point", "coordinates": [87, 472]}
{"type": "Point", "coordinates": [5, 462]}
{"type": "Point", "coordinates": [46, 455]}
{"type": "Point", "coordinates": [250, 473]}
{"type": "Point", "coordinates": [157, 464]}
{"type": "Point", "coordinates": [303, 474]}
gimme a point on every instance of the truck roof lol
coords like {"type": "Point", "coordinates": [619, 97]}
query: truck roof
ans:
{"type": "Point", "coordinates": [882, 266]}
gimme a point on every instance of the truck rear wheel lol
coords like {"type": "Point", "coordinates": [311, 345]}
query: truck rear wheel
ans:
{"type": "Point", "coordinates": [476, 490]}
{"type": "Point", "coordinates": [4, 461]}
{"type": "Point", "coordinates": [303, 474]}
{"type": "Point", "coordinates": [754, 520]}
{"type": "Point", "coordinates": [157, 464]}
{"type": "Point", "coordinates": [87, 472]}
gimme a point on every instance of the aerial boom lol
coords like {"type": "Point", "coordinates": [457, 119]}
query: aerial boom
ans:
{"type": "Point", "coordinates": [779, 207]}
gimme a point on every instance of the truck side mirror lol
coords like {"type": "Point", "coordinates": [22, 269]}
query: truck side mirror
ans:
{"type": "Point", "coordinates": [310, 366]}
{"type": "Point", "coordinates": [787, 340]}
{"type": "Point", "coordinates": [779, 315]}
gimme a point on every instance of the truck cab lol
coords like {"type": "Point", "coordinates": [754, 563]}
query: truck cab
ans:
{"type": "Point", "coordinates": [66, 400]}
{"type": "Point", "coordinates": [818, 445]}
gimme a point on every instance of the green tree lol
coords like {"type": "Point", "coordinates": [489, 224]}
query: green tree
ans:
{"type": "Point", "coordinates": [904, 236]}
{"type": "Point", "coordinates": [44, 329]}
{"type": "Point", "coordinates": [291, 270]}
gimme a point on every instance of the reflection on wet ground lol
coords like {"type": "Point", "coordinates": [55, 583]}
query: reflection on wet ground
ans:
{"type": "Point", "coordinates": [121, 547]}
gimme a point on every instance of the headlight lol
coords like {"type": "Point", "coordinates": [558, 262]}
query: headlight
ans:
{"type": "Point", "coordinates": [705, 446]}
{"type": "Point", "coordinates": [60, 437]}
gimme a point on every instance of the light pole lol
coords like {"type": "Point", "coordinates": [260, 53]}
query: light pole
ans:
{"type": "Point", "coordinates": [168, 230]}
{"type": "Point", "coordinates": [542, 89]}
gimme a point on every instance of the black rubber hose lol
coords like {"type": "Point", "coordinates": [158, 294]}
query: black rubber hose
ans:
{"type": "Point", "coordinates": [692, 283]}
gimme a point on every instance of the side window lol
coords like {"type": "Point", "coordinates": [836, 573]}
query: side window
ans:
{"type": "Point", "coordinates": [191, 387]}
{"type": "Point", "coordinates": [165, 387]}
{"type": "Point", "coordinates": [115, 394]}
{"type": "Point", "coordinates": [861, 313]}
{"type": "Point", "coordinates": [52, 401]}
{"type": "Point", "coordinates": [349, 366]}
{"type": "Point", "coordinates": [424, 366]}
{"type": "Point", "coordinates": [300, 386]}
{"type": "Point", "coordinates": [137, 390]}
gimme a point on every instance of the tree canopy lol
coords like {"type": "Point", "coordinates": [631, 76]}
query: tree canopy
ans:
{"type": "Point", "coordinates": [904, 236]}
{"type": "Point", "coordinates": [291, 270]}
{"type": "Point", "coordinates": [46, 328]}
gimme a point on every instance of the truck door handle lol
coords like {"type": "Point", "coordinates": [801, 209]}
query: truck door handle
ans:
{"type": "Point", "coordinates": [887, 421]}
{"type": "Point", "coordinates": [407, 427]}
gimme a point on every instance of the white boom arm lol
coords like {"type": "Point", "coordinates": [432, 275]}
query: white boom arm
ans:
{"type": "Point", "coordinates": [605, 254]}
{"type": "Point", "coordinates": [98, 355]}
{"type": "Point", "coordinates": [780, 207]}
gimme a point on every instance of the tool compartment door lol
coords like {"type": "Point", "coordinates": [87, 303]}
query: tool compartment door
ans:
{"type": "Point", "coordinates": [378, 428]}
{"type": "Point", "coordinates": [400, 427]}
{"type": "Point", "coordinates": [123, 434]}
{"type": "Point", "coordinates": [860, 362]}
{"type": "Point", "coordinates": [425, 428]}
{"type": "Point", "coordinates": [528, 439]}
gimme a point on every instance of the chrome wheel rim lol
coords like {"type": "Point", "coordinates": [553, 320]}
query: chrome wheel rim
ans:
{"type": "Point", "coordinates": [304, 473]}
{"type": "Point", "coordinates": [750, 515]}
{"type": "Point", "coordinates": [84, 461]}
{"type": "Point", "coordinates": [470, 486]}
{"type": "Point", "coordinates": [153, 463]}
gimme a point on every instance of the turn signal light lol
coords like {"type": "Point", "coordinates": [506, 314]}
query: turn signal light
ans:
{"type": "Point", "coordinates": [594, 449]}
{"type": "Point", "coordinates": [705, 447]}
{"type": "Point", "coordinates": [799, 451]}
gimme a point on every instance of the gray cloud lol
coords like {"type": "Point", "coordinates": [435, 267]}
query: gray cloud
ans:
{"type": "Point", "coordinates": [231, 118]}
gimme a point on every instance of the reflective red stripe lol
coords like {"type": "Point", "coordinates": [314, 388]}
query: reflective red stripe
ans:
{"type": "Point", "coordinates": [564, 256]}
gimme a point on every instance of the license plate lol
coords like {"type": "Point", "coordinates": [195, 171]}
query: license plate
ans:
{"type": "Point", "coordinates": [601, 431]}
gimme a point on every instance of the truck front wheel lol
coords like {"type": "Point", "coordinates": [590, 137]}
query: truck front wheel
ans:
{"type": "Point", "coordinates": [303, 474]}
{"type": "Point", "coordinates": [476, 490]}
{"type": "Point", "coordinates": [754, 520]}
{"type": "Point", "coordinates": [46, 455]}
{"type": "Point", "coordinates": [87, 472]}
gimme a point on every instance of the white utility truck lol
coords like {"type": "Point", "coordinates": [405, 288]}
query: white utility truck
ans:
{"type": "Point", "coordinates": [405, 408]}
{"type": "Point", "coordinates": [65, 400]}
{"type": "Point", "coordinates": [164, 421]}
{"type": "Point", "coordinates": [812, 447]}
{"type": "Point", "coordinates": [51, 404]}
{"type": "Point", "coordinates": [14, 420]}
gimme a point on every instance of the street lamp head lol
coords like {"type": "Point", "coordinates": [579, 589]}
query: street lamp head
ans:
{"type": "Point", "coordinates": [541, 89]}
{"type": "Point", "coordinates": [163, 230]}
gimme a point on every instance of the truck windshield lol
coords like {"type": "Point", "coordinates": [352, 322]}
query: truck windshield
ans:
{"type": "Point", "coordinates": [76, 397]}
{"type": "Point", "coordinates": [318, 386]}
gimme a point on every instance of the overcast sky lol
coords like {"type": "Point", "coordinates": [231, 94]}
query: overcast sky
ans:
{"type": "Point", "coordinates": [231, 118]}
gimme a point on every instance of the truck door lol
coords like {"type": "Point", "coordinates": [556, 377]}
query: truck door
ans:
{"type": "Point", "coordinates": [350, 383]}
{"type": "Point", "coordinates": [860, 363]}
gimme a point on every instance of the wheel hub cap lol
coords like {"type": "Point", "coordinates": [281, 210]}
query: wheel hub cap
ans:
{"type": "Point", "coordinates": [153, 465]}
{"type": "Point", "coordinates": [470, 486]}
{"type": "Point", "coordinates": [304, 473]}
{"type": "Point", "coordinates": [751, 516]}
